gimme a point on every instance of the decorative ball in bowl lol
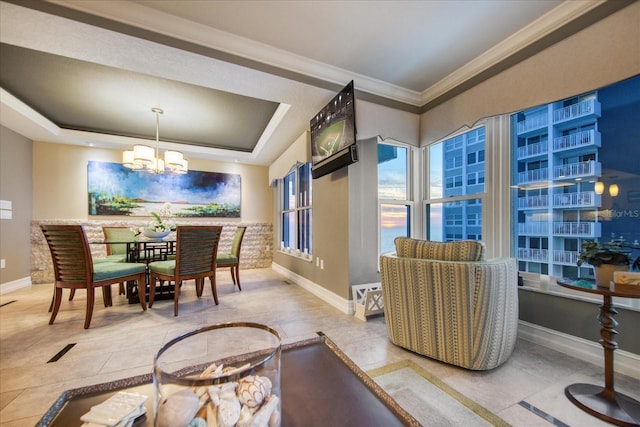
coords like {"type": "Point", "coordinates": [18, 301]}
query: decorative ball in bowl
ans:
{"type": "Point", "coordinates": [155, 234]}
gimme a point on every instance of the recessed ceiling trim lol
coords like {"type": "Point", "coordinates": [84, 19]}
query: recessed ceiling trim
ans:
{"type": "Point", "coordinates": [29, 113]}
{"type": "Point", "coordinates": [159, 22]}
{"type": "Point", "coordinates": [277, 117]}
{"type": "Point", "coordinates": [54, 133]}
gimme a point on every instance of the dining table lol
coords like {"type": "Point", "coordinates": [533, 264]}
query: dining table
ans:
{"type": "Point", "coordinates": [146, 250]}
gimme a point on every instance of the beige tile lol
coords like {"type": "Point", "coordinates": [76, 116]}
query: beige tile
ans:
{"type": "Point", "coordinates": [123, 339]}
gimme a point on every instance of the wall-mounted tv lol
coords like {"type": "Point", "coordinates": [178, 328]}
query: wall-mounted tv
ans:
{"type": "Point", "coordinates": [333, 134]}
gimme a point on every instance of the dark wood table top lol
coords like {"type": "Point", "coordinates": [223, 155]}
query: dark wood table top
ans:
{"type": "Point", "coordinates": [590, 286]}
{"type": "Point", "coordinates": [320, 386]}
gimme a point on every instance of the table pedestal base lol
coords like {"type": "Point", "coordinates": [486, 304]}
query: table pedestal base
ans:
{"type": "Point", "coordinates": [621, 410]}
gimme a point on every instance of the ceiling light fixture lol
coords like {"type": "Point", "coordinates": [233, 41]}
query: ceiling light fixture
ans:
{"type": "Point", "coordinates": [145, 158]}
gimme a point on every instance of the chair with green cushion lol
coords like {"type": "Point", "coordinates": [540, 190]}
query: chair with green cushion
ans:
{"type": "Point", "coordinates": [74, 268]}
{"type": "Point", "coordinates": [117, 252]}
{"type": "Point", "coordinates": [232, 259]}
{"type": "Point", "coordinates": [196, 250]}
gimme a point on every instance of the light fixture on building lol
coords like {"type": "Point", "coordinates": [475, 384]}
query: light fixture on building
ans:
{"type": "Point", "coordinates": [145, 158]}
{"type": "Point", "coordinates": [613, 190]}
{"type": "Point", "coordinates": [599, 187]}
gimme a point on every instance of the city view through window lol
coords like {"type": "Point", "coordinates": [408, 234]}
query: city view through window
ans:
{"type": "Point", "coordinates": [576, 167]}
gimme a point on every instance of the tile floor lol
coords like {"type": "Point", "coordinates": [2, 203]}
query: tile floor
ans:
{"type": "Point", "coordinates": [122, 341]}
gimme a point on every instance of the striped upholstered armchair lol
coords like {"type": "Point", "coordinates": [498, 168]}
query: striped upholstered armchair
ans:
{"type": "Point", "coordinates": [445, 301]}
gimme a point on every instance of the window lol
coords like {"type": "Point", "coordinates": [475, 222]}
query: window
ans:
{"type": "Point", "coordinates": [393, 195]}
{"type": "Point", "coordinates": [453, 162]}
{"type": "Point", "coordinates": [566, 155]}
{"type": "Point", "coordinates": [296, 213]}
{"type": "Point", "coordinates": [475, 136]}
{"type": "Point", "coordinates": [471, 158]}
{"type": "Point", "coordinates": [460, 218]}
{"type": "Point", "coordinates": [453, 143]}
{"type": "Point", "coordinates": [474, 218]}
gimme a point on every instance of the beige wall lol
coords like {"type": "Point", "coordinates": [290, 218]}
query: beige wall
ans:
{"type": "Point", "coordinates": [602, 54]}
{"type": "Point", "coordinates": [15, 186]}
{"type": "Point", "coordinates": [331, 200]}
{"type": "Point", "coordinates": [60, 182]}
{"type": "Point", "coordinates": [299, 151]}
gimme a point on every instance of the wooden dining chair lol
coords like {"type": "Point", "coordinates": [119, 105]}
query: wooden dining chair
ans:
{"type": "Point", "coordinates": [231, 259]}
{"type": "Point", "coordinates": [117, 252]}
{"type": "Point", "coordinates": [196, 250]}
{"type": "Point", "coordinates": [74, 268]}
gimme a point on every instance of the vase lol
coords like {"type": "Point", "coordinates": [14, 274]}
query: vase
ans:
{"type": "Point", "coordinates": [212, 372]}
{"type": "Point", "coordinates": [604, 273]}
{"type": "Point", "coordinates": [155, 234]}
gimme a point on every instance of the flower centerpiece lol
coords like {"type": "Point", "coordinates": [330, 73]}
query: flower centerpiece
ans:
{"type": "Point", "coordinates": [161, 225]}
{"type": "Point", "coordinates": [614, 255]}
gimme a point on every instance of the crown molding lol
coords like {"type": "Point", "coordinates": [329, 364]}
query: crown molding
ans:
{"type": "Point", "coordinates": [262, 57]}
{"type": "Point", "coordinates": [540, 28]}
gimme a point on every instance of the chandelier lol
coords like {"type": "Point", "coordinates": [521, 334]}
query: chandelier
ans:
{"type": "Point", "coordinates": [147, 159]}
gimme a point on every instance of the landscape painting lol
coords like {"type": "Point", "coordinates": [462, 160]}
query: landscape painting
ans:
{"type": "Point", "coordinates": [117, 190]}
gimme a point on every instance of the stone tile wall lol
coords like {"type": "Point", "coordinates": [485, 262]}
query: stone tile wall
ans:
{"type": "Point", "coordinates": [256, 250]}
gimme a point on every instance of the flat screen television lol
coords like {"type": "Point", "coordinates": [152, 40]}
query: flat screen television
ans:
{"type": "Point", "coordinates": [333, 134]}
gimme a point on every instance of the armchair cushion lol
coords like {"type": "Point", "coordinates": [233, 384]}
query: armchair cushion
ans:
{"type": "Point", "coordinates": [464, 250]}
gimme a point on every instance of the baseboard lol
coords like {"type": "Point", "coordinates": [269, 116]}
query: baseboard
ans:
{"type": "Point", "coordinates": [342, 304]}
{"type": "Point", "coordinates": [5, 288]}
{"type": "Point", "coordinates": [624, 362]}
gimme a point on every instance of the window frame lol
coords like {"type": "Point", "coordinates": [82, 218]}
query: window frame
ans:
{"type": "Point", "coordinates": [460, 143]}
{"type": "Point", "coordinates": [412, 161]}
{"type": "Point", "coordinates": [295, 206]}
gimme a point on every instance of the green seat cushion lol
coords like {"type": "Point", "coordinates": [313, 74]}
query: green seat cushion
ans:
{"type": "Point", "coordinates": [110, 258]}
{"type": "Point", "coordinates": [223, 258]}
{"type": "Point", "coordinates": [163, 267]}
{"type": "Point", "coordinates": [113, 270]}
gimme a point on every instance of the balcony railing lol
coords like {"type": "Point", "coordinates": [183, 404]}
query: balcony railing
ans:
{"type": "Point", "coordinates": [565, 257]}
{"type": "Point", "coordinates": [535, 255]}
{"type": "Point", "coordinates": [576, 200]}
{"type": "Point", "coordinates": [533, 229]}
{"type": "Point", "coordinates": [577, 140]}
{"type": "Point", "coordinates": [576, 229]}
{"type": "Point", "coordinates": [533, 202]}
{"type": "Point", "coordinates": [533, 150]}
{"type": "Point", "coordinates": [535, 121]}
{"type": "Point", "coordinates": [575, 170]}
{"type": "Point", "coordinates": [533, 175]}
{"type": "Point", "coordinates": [575, 111]}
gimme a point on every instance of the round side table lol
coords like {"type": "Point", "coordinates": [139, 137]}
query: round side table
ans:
{"type": "Point", "coordinates": [604, 402]}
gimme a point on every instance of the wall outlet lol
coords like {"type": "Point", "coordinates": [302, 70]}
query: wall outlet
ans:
{"type": "Point", "coordinates": [2, 263]}
{"type": "Point", "coordinates": [321, 264]}
{"type": "Point", "coordinates": [317, 262]}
